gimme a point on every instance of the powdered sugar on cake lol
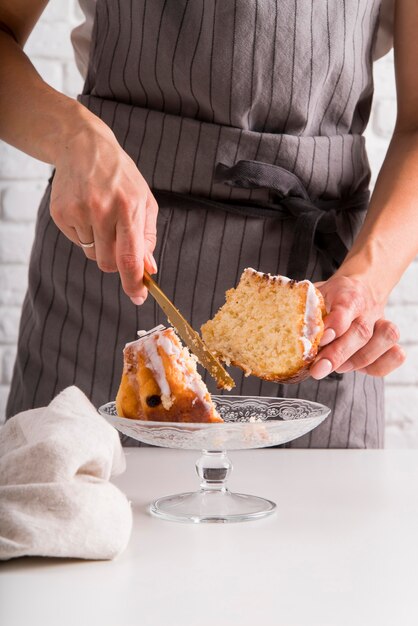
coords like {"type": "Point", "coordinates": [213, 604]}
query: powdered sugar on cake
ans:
{"type": "Point", "coordinates": [194, 381]}
{"type": "Point", "coordinates": [310, 327]}
{"type": "Point", "coordinates": [150, 341]}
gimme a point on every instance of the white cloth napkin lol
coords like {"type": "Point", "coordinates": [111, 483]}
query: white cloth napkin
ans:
{"type": "Point", "coordinates": [55, 496]}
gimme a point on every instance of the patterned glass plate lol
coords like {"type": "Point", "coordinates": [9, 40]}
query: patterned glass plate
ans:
{"type": "Point", "coordinates": [250, 422]}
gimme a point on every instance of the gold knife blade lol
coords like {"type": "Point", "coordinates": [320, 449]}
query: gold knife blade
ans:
{"type": "Point", "coordinates": [189, 336]}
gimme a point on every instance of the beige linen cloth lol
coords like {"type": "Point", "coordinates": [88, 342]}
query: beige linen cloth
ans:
{"type": "Point", "coordinates": [55, 496]}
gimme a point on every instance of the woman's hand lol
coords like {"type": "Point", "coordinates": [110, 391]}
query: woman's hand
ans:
{"type": "Point", "coordinates": [99, 195]}
{"type": "Point", "coordinates": [357, 336]}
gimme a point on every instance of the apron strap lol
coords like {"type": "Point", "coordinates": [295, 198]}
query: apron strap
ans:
{"type": "Point", "coordinates": [316, 223]}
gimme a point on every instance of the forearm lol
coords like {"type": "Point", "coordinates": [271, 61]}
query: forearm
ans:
{"type": "Point", "coordinates": [34, 117]}
{"type": "Point", "coordinates": [388, 240]}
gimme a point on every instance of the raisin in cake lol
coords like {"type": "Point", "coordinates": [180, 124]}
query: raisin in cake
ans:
{"type": "Point", "coordinates": [160, 381]}
{"type": "Point", "coordinates": [270, 326]}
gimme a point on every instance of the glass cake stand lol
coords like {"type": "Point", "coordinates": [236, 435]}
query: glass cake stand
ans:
{"type": "Point", "coordinates": [249, 422]}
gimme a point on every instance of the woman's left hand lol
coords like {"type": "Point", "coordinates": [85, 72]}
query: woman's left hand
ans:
{"type": "Point", "coordinates": [357, 336]}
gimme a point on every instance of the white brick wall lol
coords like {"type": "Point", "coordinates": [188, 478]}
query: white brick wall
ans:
{"type": "Point", "coordinates": [22, 181]}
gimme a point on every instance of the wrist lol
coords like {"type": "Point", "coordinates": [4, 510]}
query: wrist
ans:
{"type": "Point", "coordinates": [372, 265]}
{"type": "Point", "coordinates": [79, 127]}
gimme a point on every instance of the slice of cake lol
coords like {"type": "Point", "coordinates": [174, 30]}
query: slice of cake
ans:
{"type": "Point", "coordinates": [160, 381]}
{"type": "Point", "coordinates": [270, 326]}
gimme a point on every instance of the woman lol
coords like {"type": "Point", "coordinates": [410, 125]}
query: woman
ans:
{"type": "Point", "coordinates": [242, 120]}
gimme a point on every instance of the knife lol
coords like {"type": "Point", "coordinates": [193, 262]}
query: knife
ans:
{"type": "Point", "coordinates": [189, 336]}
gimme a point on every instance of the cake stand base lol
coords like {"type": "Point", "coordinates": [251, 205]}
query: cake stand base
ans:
{"type": "Point", "coordinates": [213, 502]}
{"type": "Point", "coordinates": [220, 506]}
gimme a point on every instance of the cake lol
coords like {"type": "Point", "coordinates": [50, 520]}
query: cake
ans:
{"type": "Point", "coordinates": [270, 326]}
{"type": "Point", "coordinates": [160, 381]}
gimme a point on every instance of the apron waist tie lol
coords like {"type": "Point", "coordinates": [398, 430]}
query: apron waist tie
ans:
{"type": "Point", "coordinates": [316, 223]}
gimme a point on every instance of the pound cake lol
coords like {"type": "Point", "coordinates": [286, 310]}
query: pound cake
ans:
{"type": "Point", "coordinates": [160, 381]}
{"type": "Point", "coordinates": [270, 326]}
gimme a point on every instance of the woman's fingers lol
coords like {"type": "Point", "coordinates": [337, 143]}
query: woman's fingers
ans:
{"type": "Point", "coordinates": [105, 248]}
{"type": "Point", "coordinates": [348, 325]}
{"type": "Point", "coordinates": [385, 336]}
{"type": "Point", "coordinates": [72, 223]}
{"type": "Point", "coordinates": [97, 222]}
{"type": "Point", "coordinates": [386, 363]}
{"type": "Point", "coordinates": [360, 346]}
{"type": "Point", "coordinates": [69, 232]}
{"type": "Point", "coordinates": [344, 306]}
{"type": "Point", "coordinates": [150, 228]}
{"type": "Point", "coordinates": [339, 351]}
{"type": "Point", "coordinates": [129, 253]}
{"type": "Point", "coordinates": [123, 247]}
{"type": "Point", "coordinates": [84, 235]}
{"type": "Point", "coordinates": [150, 263]}
{"type": "Point", "coordinates": [130, 264]}
{"type": "Point", "coordinates": [150, 234]}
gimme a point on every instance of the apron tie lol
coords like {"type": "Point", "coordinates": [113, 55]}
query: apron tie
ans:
{"type": "Point", "coordinates": [316, 222]}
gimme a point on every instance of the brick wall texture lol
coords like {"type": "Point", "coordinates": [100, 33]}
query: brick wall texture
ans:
{"type": "Point", "coordinates": [22, 180]}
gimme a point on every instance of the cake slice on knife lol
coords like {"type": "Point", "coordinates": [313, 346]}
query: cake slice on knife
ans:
{"type": "Point", "coordinates": [270, 326]}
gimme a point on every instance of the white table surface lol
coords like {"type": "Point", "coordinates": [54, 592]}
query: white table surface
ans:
{"type": "Point", "coordinates": [342, 549]}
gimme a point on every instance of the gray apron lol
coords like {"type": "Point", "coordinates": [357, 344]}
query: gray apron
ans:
{"type": "Point", "coordinates": [245, 117]}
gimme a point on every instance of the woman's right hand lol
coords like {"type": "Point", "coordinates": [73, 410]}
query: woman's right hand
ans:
{"type": "Point", "coordinates": [99, 195]}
